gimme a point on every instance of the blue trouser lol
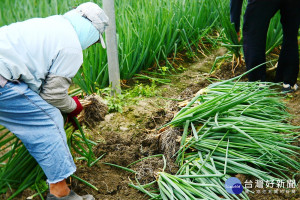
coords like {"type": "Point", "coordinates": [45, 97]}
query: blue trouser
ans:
{"type": "Point", "coordinates": [39, 126]}
{"type": "Point", "coordinates": [256, 22]}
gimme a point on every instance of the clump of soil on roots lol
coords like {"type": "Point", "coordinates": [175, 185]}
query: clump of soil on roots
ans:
{"type": "Point", "coordinates": [94, 110]}
{"type": "Point", "coordinates": [169, 143]}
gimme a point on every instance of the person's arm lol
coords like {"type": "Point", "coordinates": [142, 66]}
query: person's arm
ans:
{"type": "Point", "coordinates": [55, 92]}
{"type": "Point", "coordinates": [235, 13]}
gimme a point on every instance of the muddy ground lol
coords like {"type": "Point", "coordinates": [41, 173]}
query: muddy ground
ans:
{"type": "Point", "coordinates": [129, 136]}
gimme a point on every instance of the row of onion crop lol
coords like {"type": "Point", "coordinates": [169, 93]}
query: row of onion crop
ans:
{"type": "Point", "coordinates": [147, 32]}
{"type": "Point", "coordinates": [230, 128]}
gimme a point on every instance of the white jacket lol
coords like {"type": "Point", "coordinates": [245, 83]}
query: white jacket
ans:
{"type": "Point", "coordinates": [45, 53]}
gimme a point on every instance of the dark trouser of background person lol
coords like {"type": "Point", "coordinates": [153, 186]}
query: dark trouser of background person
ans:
{"type": "Point", "coordinates": [235, 13]}
{"type": "Point", "coordinates": [256, 22]}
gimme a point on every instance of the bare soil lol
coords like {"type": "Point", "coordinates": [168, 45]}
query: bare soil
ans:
{"type": "Point", "coordinates": [129, 136]}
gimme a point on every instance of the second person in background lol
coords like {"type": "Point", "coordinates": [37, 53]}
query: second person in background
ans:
{"type": "Point", "coordinates": [256, 22]}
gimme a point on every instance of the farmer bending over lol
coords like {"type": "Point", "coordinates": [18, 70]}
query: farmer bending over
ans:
{"type": "Point", "coordinates": [256, 22]}
{"type": "Point", "coordinates": [38, 58]}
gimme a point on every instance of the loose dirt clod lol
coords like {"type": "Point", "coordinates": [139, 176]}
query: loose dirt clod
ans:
{"type": "Point", "coordinates": [168, 143]}
{"type": "Point", "coordinates": [94, 110]}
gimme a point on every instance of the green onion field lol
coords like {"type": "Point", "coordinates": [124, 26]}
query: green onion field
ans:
{"type": "Point", "coordinates": [187, 119]}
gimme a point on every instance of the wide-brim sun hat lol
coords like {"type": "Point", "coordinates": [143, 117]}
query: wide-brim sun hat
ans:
{"type": "Point", "coordinates": [96, 16]}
